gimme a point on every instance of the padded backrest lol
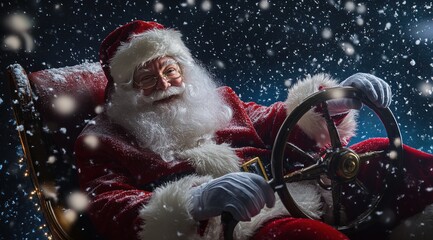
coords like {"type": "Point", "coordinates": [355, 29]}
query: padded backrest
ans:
{"type": "Point", "coordinates": [68, 98]}
{"type": "Point", "coordinates": [51, 108]}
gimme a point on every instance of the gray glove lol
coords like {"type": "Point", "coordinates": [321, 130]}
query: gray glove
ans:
{"type": "Point", "coordinates": [242, 194]}
{"type": "Point", "coordinates": [377, 91]}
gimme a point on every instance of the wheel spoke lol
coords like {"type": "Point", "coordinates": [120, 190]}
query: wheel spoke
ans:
{"type": "Point", "coordinates": [332, 129]}
{"type": "Point", "coordinates": [323, 183]}
{"type": "Point", "coordinates": [366, 215]}
{"type": "Point", "coordinates": [364, 157]}
{"type": "Point", "coordinates": [362, 186]}
{"type": "Point", "coordinates": [301, 152]}
{"type": "Point", "coordinates": [336, 195]}
{"type": "Point", "coordinates": [311, 172]}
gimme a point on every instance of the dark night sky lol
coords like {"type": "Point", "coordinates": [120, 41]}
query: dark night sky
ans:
{"type": "Point", "coordinates": [256, 47]}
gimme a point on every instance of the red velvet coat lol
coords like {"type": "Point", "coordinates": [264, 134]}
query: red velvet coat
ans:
{"type": "Point", "coordinates": [137, 195]}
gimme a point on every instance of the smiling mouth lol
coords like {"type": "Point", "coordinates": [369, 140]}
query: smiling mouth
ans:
{"type": "Point", "coordinates": [166, 100]}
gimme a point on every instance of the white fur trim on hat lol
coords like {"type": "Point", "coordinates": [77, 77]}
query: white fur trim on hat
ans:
{"type": "Point", "coordinates": [313, 123]}
{"type": "Point", "coordinates": [212, 159]}
{"type": "Point", "coordinates": [144, 47]}
{"type": "Point", "coordinates": [166, 216]}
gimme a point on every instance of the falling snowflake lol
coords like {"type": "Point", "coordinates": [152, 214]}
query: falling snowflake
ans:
{"type": "Point", "coordinates": [350, 6]}
{"type": "Point", "coordinates": [91, 141]}
{"type": "Point", "coordinates": [99, 109]}
{"type": "Point", "coordinates": [264, 4]}
{"type": "Point", "coordinates": [78, 201]}
{"type": "Point", "coordinates": [387, 26]}
{"type": "Point", "coordinates": [12, 42]}
{"type": "Point", "coordinates": [206, 5]}
{"type": "Point", "coordinates": [51, 159]}
{"type": "Point", "coordinates": [158, 7]}
{"type": "Point", "coordinates": [326, 33]}
{"type": "Point", "coordinates": [64, 105]}
{"type": "Point", "coordinates": [347, 48]}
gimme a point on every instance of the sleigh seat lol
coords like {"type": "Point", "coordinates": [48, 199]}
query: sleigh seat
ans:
{"type": "Point", "coordinates": [51, 108]}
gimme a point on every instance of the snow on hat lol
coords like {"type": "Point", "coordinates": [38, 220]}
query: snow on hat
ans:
{"type": "Point", "coordinates": [137, 42]}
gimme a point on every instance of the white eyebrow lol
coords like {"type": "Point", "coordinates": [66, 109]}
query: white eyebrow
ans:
{"type": "Point", "coordinates": [163, 64]}
{"type": "Point", "coordinates": [140, 68]}
{"type": "Point", "coordinates": [168, 62]}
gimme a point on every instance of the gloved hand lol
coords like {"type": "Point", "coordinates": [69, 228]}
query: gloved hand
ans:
{"type": "Point", "coordinates": [377, 91]}
{"type": "Point", "coordinates": [242, 194]}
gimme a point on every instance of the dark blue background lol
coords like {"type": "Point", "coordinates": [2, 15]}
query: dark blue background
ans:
{"type": "Point", "coordinates": [257, 51]}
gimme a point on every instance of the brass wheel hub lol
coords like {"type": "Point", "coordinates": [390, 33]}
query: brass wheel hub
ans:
{"type": "Point", "coordinates": [344, 165]}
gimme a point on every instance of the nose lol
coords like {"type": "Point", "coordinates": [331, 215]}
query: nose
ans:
{"type": "Point", "coordinates": [162, 83]}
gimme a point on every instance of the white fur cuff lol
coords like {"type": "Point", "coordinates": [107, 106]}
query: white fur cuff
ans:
{"type": "Point", "coordinates": [166, 216]}
{"type": "Point", "coordinates": [212, 159]}
{"type": "Point", "coordinates": [312, 123]}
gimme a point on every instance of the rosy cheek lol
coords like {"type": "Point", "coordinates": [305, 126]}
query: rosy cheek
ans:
{"type": "Point", "coordinates": [147, 92]}
{"type": "Point", "coordinates": [178, 82]}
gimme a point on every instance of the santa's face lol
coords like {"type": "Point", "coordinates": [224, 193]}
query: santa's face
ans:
{"type": "Point", "coordinates": [157, 75]}
{"type": "Point", "coordinates": [168, 113]}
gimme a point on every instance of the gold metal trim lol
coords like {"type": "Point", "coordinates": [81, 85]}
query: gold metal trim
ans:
{"type": "Point", "coordinates": [259, 162]}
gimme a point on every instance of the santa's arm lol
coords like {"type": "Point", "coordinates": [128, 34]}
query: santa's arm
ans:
{"type": "Point", "coordinates": [121, 207]}
{"type": "Point", "coordinates": [311, 130]}
{"type": "Point", "coordinates": [114, 198]}
{"type": "Point", "coordinates": [114, 205]}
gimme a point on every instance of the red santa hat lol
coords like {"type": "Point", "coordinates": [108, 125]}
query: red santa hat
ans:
{"type": "Point", "coordinates": [137, 42]}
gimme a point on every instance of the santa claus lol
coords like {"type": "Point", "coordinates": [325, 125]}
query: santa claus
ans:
{"type": "Point", "coordinates": [170, 147]}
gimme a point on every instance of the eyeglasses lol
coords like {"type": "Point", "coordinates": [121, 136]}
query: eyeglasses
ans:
{"type": "Point", "coordinates": [145, 81]}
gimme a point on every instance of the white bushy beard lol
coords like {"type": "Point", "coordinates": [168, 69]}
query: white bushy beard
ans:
{"type": "Point", "coordinates": [189, 119]}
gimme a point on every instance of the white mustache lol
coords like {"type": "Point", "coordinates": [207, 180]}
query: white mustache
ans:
{"type": "Point", "coordinates": [162, 94]}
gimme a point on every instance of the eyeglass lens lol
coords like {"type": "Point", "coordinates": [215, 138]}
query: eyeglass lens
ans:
{"type": "Point", "coordinates": [148, 81]}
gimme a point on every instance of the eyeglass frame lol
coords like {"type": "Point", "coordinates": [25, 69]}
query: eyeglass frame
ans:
{"type": "Point", "coordinates": [155, 78]}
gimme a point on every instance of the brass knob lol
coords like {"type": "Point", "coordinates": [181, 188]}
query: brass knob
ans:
{"type": "Point", "coordinates": [349, 165]}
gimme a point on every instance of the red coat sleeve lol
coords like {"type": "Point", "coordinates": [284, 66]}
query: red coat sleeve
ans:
{"type": "Point", "coordinates": [120, 178]}
{"type": "Point", "coordinates": [115, 197]}
{"type": "Point", "coordinates": [267, 121]}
